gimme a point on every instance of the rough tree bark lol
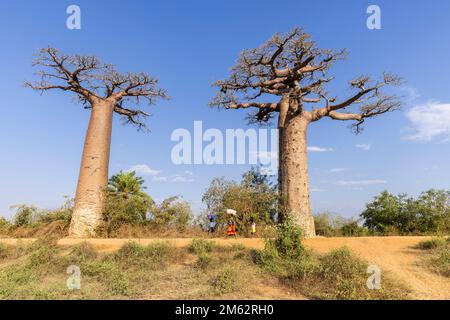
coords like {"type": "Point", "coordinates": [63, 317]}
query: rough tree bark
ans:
{"type": "Point", "coordinates": [104, 91]}
{"type": "Point", "coordinates": [292, 68]}
{"type": "Point", "coordinates": [93, 177]}
{"type": "Point", "coordinates": [294, 174]}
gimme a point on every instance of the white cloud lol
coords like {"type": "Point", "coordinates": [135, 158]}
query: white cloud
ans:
{"type": "Point", "coordinates": [318, 149]}
{"type": "Point", "coordinates": [336, 170]}
{"type": "Point", "coordinates": [159, 178]}
{"type": "Point", "coordinates": [412, 94]}
{"type": "Point", "coordinates": [144, 169]}
{"type": "Point", "coordinates": [317, 190]}
{"type": "Point", "coordinates": [360, 182]}
{"type": "Point", "coordinates": [186, 176]}
{"type": "Point", "coordinates": [363, 146]}
{"type": "Point", "coordinates": [430, 121]}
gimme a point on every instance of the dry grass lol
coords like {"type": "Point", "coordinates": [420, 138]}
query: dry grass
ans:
{"type": "Point", "coordinates": [203, 270]}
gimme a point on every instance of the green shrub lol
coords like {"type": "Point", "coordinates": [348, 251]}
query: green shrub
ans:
{"type": "Point", "coordinates": [5, 251]}
{"type": "Point", "coordinates": [82, 252]}
{"type": "Point", "coordinates": [285, 255]}
{"type": "Point", "coordinates": [431, 244]}
{"type": "Point", "coordinates": [204, 261]}
{"type": "Point", "coordinates": [287, 243]}
{"type": "Point", "coordinates": [201, 246]}
{"type": "Point", "coordinates": [344, 273]}
{"type": "Point", "coordinates": [172, 212]}
{"type": "Point", "coordinates": [224, 282]}
{"type": "Point", "coordinates": [353, 229]}
{"type": "Point", "coordinates": [441, 263]}
{"type": "Point", "coordinates": [5, 226]}
{"type": "Point", "coordinates": [25, 215]}
{"type": "Point", "coordinates": [152, 256]}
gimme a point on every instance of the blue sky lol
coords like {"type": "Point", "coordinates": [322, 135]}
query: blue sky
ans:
{"type": "Point", "coordinates": [190, 44]}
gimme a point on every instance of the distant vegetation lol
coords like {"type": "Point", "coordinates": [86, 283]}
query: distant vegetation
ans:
{"type": "Point", "coordinates": [388, 214]}
{"type": "Point", "coordinates": [131, 212]}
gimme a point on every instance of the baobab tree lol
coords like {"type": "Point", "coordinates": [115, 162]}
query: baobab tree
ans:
{"type": "Point", "coordinates": [286, 77]}
{"type": "Point", "coordinates": [103, 91]}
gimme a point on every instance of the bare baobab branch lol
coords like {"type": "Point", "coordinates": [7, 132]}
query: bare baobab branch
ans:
{"type": "Point", "coordinates": [93, 81]}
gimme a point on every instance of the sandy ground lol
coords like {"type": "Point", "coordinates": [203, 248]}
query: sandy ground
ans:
{"type": "Point", "coordinates": [395, 256]}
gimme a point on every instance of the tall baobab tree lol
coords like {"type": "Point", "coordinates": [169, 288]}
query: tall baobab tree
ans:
{"type": "Point", "coordinates": [287, 76]}
{"type": "Point", "coordinates": [104, 91]}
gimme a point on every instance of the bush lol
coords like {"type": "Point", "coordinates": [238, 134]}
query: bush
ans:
{"type": "Point", "coordinates": [171, 212]}
{"type": "Point", "coordinates": [5, 251]}
{"type": "Point", "coordinates": [204, 261]}
{"type": "Point", "coordinates": [200, 246]}
{"type": "Point", "coordinates": [5, 226]}
{"type": "Point", "coordinates": [153, 256]}
{"type": "Point", "coordinates": [441, 262]}
{"type": "Point", "coordinates": [25, 215]}
{"type": "Point", "coordinates": [224, 282]}
{"type": "Point", "coordinates": [288, 242]}
{"type": "Point", "coordinates": [82, 252]}
{"type": "Point", "coordinates": [121, 209]}
{"type": "Point", "coordinates": [353, 229]}
{"type": "Point", "coordinates": [431, 244]}
{"type": "Point", "coordinates": [344, 273]}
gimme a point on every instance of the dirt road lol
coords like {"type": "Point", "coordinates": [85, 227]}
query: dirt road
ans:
{"type": "Point", "coordinates": [395, 256]}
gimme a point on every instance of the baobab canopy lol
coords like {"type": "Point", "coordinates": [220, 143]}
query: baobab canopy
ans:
{"type": "Point", "coordinates": [91, 80]}
{"type": "Point", "coordinates": [291, 65]}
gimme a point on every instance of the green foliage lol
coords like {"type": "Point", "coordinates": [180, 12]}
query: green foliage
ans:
{"type": "Point", "coordinates": [438, 255]}
{"type": "Point", "coordinates": [82, 252]}
{"type": "Point", "coordinates": [224, 282]}
{"type": "Point", "coordinates": [344, 273]}
{"type": "Point", "coordinates": [5, 226]}
{"type": "Point", "coordinates": [255, 198]}
{"type": "Point", "coordinates": [431, 244]}
{"type": "Point", "coordinates": [288, 241]}
{"type": "Point", "coordinates": [330, 225]}
{"type": "Point", "coordinates": [200, 246]}
{"type": "Point", "coordinates": [204, 260]}
{"type": "Point", "coordinates": [25, 215]}
{"type": "Point", "coordinates": [429, 213]}
{"type": "Point", "coordinates": [5, 251]}
{"type": "Point", "coordinates": [126, 183]}
{"type": "Point", "coordinates": [152, 256]}
{"type": "Point", "coordinates": [285, 255]}
{"type": "Point", "coordinates": [353, 229]}
{"type": "Point", "coordinates": [125, 202]}
{"type": "Point", "coordinates": [171, 212]}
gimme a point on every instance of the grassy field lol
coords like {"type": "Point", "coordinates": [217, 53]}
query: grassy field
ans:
{"type": "Point", "coordinates": [200, 269]}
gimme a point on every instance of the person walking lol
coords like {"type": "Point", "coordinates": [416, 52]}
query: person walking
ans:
{"type": "Point", "coordinates": [231, 232]}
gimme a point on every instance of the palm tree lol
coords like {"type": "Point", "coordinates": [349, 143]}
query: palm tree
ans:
{"type": "Point", "coordinates": [126, 183]}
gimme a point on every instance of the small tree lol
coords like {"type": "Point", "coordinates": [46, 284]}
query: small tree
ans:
{"type": "Point", "coordinates": [103, 91]}
{"type": "Point", "coordinates": [283, 77]}
{"type": "Point", "coordinates": [254, 199]}
{"type": "Point", "coordinates": [125, 201]}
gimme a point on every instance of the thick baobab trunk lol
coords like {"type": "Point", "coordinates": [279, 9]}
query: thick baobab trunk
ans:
{"type": "Point", "coordinates": [93, 176]}
{"type": "Point", "coordinates": [294, 173]}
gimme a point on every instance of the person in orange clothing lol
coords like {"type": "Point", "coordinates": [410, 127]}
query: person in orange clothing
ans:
{"type": "Point", "coordinates": [231, 229]}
